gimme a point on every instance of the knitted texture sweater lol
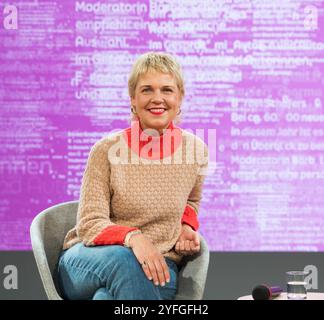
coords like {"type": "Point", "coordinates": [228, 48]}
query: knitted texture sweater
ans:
{"type": "Point", "coordinates": [137, 181]}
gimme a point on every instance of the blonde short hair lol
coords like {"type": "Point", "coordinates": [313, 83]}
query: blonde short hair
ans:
{"type": "Point", "coordinates": [158, 61]}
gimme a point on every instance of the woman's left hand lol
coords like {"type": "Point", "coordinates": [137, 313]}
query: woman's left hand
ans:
{"type": "Point", "coordinates": [188, 242]}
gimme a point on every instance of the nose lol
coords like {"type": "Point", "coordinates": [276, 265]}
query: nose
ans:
{"type": "Point", "coordinates": [157, 101]}
{"type": "Point", "coordinates": [157, 98]}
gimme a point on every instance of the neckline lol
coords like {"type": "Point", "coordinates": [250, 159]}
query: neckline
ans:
{"type": "Point", "coordinates": [153, 147]}
{"type": "Point", "coordinates": [145, 136]}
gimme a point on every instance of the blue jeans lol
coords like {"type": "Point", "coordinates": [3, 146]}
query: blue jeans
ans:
{"type": "Point", "coordinates": [109, 272]}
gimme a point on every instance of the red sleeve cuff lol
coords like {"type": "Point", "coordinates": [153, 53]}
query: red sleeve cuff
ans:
{"type": "Point", "coordinates": [190, 217]}
{"type": "Point", "coordinates": [113, 235]}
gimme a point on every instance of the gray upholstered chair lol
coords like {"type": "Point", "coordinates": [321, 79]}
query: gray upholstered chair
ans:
{"type": "Point", "coordinates": [49, 228]}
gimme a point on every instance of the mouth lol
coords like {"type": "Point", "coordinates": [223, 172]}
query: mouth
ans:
{"type": "Point", "coordinates": [157, 111]}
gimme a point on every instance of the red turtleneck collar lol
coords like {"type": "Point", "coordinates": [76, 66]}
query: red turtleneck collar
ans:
{"type": "Point", "coordinates": [153, 147]}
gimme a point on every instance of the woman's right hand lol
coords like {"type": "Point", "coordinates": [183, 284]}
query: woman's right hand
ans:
{"type": "Point", "coordinates": [152, 261]}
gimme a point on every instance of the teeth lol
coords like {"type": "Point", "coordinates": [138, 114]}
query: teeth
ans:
{"type": "Point", "coordinates": [157, 110]}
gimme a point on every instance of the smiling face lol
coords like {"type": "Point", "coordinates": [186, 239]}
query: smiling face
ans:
{"type": "Point", "coordinates": [156, 100]}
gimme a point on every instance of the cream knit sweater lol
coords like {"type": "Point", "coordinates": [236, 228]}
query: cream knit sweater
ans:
{"type": "Point", "coordinates": [122, 191]}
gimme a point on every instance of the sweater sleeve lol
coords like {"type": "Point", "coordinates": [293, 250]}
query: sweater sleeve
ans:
{"type": "Point", "coordinates": [190, 214]}
{"type": "Point", "coordinates": [94, 226]}
{"type": "Point", "coordinates": [190, 218]}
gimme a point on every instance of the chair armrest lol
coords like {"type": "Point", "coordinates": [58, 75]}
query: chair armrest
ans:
{"type": "Point", "coordinates": [193, 274]}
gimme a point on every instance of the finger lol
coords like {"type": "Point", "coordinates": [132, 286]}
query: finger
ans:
{"type": "Point", "coordinates": [190, 248]}
{"type": "Point", "coordinates": [160, 272]}
{"type": "Point", "coordinates": [193, 246]}
{"type": "Point", "coordinates": [177, 248]}
{"type": "Point", "coordinates": [182, 247]}
{"type": "Point", "coordinates": [147, 270]}
{"type": "Point", "coordinates": [165, 270]}
{"type": "Point", "coordinates": [153, 273]}
{"type": "Point", "coordinates": [187, 245]}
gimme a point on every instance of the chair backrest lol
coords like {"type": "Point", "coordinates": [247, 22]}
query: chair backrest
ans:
{"type": "Point", "coordinates": [47, 232]}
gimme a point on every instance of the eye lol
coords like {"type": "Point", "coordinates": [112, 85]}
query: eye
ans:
{"type": "Point", "coordinates": [146, 90]}
{"type": "Point", "coordinates": [168, 90]}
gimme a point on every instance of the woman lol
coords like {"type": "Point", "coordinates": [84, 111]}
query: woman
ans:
{"type": "Point", "coordinates": [140, 194]}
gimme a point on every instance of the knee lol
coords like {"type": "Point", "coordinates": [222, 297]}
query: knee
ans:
{"type": "Point", "coordinates": [125, 259]}
{"type": "Point", "coordinates": [124, 253]}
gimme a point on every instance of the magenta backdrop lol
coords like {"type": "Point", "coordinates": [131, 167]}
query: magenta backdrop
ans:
{"type": "Point", "coordinates": [254, 73]}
